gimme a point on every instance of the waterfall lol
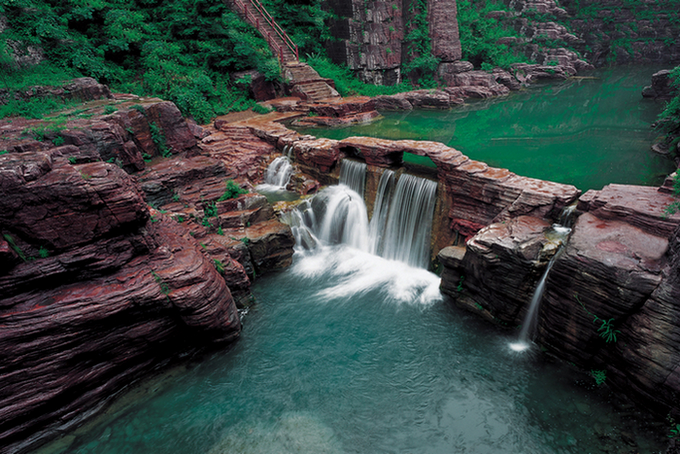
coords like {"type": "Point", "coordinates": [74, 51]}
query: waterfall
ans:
{"type": "Point", "coordinates": [279, 172]}
{"type": "Point", "coordinates": [532, 314]}
{"type": "Point", "coordinates": [559, 234]}
{"type": "Point", "coordinates": [409, 224]}
{"type": "Point", "coordinates": [376, 228]}
{"type": "Point", "coordinates": [353, 174]}
{"type": "Point", "coordinates": [399, 230]}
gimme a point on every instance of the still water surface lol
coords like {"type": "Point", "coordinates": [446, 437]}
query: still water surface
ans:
{"type": "Point", "coordinates": [350, 353]}
{"type": "Point", "coordinates": [586, 132]}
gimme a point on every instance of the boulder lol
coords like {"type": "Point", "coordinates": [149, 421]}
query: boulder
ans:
{"type": "Point", "coordinates": [661, 87]}
{"type": "Point", "coordinates": [500, 268]}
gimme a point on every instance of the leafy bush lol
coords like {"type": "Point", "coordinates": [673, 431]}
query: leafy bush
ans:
{"type": "Point", "coordinates": [479, 34]}
{"type": "Point", "coordinates": [180, 50]}
{"type": "Point", "coordinates": [670, 117]}
{"type": "Point", "coordinates": [233, 191]}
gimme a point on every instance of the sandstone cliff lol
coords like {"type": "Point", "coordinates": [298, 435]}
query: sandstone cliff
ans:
{"type": "Point", "coordinates": [116, 255]}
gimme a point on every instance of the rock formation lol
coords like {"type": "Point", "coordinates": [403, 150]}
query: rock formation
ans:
{"type": "Point", "coordinates": [107, 276]}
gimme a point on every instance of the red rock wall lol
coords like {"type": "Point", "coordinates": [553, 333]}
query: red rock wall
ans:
{"type": "Point", "coordinates": [105, 293]}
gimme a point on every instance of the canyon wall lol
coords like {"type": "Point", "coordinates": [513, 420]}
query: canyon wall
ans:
{"type": "Point", "coordinates": [372, 36]}
{"type": "Point", "coordinates": [122, 247]}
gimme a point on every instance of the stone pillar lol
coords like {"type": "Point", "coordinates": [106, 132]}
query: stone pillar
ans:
{"type": "Point", "coordinates": [442, 15]}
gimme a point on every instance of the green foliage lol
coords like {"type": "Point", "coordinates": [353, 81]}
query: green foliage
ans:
{"type": "Point", "coordinates": [674, 206]}
{"type": "Point", "coordinates": [422, 65]}
{"type": "Point", "coordinates": [165, 288]}
{"type": "Point", "coordinates": [72, 159]}
{"type": "Point", "coordinates": [210, 210]}
{"type": "Point", "coordinates": [675, 431]}
{"type": "Point", "coordinates": [109, 110]}
{"type": "Point", "coordinates": [233, 191]}
{"type": "Point", "coordinates": [304, 21]}
{"type": "Point", "coordinates": [220, 231]}
{"type": "Point", "coordinates": [245, 240]}
{"type": "Point", "coordinates": [479, 34]}
{"type": "Point", "coordinates": [257, 108]}
{"type": "Point", "coordinates": [346, 83]}
{"type": "Point", "coordinates": [606, 330]}
{"type": "Point", "coordinates": [158, 138]}
{"type": "Point", "coordinates": [58, 141]}
{"type": "Point", "coordinates": [670, 117]}
{"type": "Point", "coordinates": [179, 219]}
{"type": "Point", "coordinates": [16, 248]}
{"type": "Point", "coordinates": [219, 266]}
{"type": "Point", "coordinates": [175, 197]}
{"type": "Point", "coordinates": [599, 375]}
{"type": "Point", "coordinates": [43, 253]}
{"type": "Point", "coordinates": [179, 50]}
{"type": "Point", "coordinates": [459, 288]}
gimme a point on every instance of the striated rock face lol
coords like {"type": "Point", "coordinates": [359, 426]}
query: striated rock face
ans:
{"type": "Point", "coordinates": [611, 298]}
{"type": "Point", "coordinates": [442, 17]}
{"type": "Point", "coordinates": [498, 268]}
{"type": "Point", "coordinates": [96, 292]}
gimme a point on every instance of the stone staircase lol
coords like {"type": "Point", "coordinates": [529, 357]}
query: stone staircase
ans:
{"type": "Point", "coordinates": [303, 81]}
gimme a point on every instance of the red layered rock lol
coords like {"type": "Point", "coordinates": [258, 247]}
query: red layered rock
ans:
{"type": "Point", "coordinates": [321, 154]}
{"type": "Point", "coordinates": [442, 20]}
{"type": "Point", "coordinates": [499, 268]}
{"type": "Point", "coordinates": [104, 295]}
{"type": "Point", "coordinates": [641, 206]}
{"type": "Point", "coordinates": [68, 205]}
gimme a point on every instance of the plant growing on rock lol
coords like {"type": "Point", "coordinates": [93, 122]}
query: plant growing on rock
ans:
{"type": "Point", "coordinates": [599, 375]}
{"type": "Point", "coordinates": [606, 330]}
{"type": "Point", "coordinates": [232, 191]}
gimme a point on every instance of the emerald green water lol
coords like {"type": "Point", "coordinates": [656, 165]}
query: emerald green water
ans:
{"type": "Point", "coordinates": [349, 353]}
{"type": "Point", "coordinates": [585, 132]}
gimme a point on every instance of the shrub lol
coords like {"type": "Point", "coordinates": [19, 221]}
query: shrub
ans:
{"type": "Point", "coordinates": [233, 191]}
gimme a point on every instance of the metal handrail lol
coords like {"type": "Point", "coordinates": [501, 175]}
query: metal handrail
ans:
{"type": "Point", "coordinates": [255, 20]}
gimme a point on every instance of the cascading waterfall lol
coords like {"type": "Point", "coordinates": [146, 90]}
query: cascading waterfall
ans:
{"type": "Point", "coordinates": [402, 218]}
{"type": "Point", "coordinates": [558, 233]}
{"type": "Point", "coordinates": [279, 172]}
{"type": "Point", "coordinates": [381, 209]}
{"type": "Point", "coordinates": [409, 223]}
{"type": "Point", "coordinates": [353, 174]}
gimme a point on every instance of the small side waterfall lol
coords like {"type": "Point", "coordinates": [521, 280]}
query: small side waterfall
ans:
{"type": "Point", "coordinates": [353, 174]}
{"type": "Point", "coordinates": [407, 235]}
{"type": "Point", "coordinates": [558, 233]}
{"type": "Point", "coordinates": [381, 209]}
{"type": "Point", "coordinates": [279, 172]}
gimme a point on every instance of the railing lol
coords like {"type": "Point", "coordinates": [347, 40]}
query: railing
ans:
{"type": "Point", "coordinates": [254, 19]}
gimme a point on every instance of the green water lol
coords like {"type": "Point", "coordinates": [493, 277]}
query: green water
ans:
{"type": "Point", "coordinates": [349, 353]}
{"type": "Point", "coordinates": [585, 132]}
